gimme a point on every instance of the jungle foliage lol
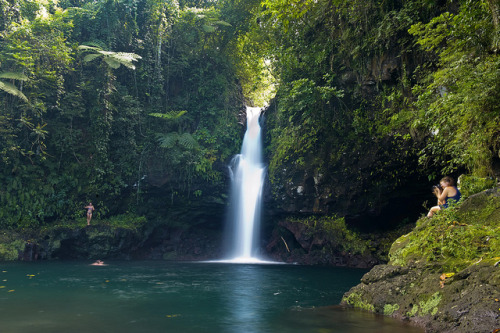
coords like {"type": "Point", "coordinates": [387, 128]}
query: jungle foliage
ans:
{"type": "Point", "coordinates": [134, 104]}
{"type": "Point", "coordinates": [369, 93]}
{"type": "Point", "coordinates": [90, 94]}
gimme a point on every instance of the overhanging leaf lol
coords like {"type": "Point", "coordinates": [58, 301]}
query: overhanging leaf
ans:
{"type": "Point", "coordinates": [168, 140]}
{"type": "Point", "coordinates": [112, 62]}
{"type": "Point", "coordinates": [188, 141]}
{"type": "Point", "coordinates": [208, 28]}
{"type": "Point", "coordinates": [224, 23]}
{"type": "Point", "coordinates": [169, 115]}
{"type": "Point", "coordinates": [90, 57]}
{"type": "Point", "coordinates": [13, 76]}
{"type": "Point", "coordinates": [11, 89]}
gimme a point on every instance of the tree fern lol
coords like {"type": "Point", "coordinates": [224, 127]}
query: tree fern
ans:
{"type": "Point", "coordinates": [188, 141]}
{"type": "Point", "coordinates": [10, 88]}
{"type": "Point", "coordinates": [168, 140]}
{"type": "Point", "coordinates": [13, 76]}
{"type": "Point", "coordinates": [171, 115]}
{"type": "Point", "coordinates": [112, 59]}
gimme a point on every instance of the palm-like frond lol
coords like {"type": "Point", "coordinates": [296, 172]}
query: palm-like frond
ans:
{"type": "Point", "coordinates": [88, 48]}
{"type": "Point", "coordinates": [168, 140]}
{"type": "Point", "coordinates": [125, 56]}
{"type": "Point", "coordinates": [13, 76]}
{"type": "Point", "coordinates": [208, 28]}
{"type": "Point", "coordinates": [224, 23]}
{"type": "Point", "coordinates": [171, 115]}
{"type": "Point", "coordinates": [112, 59]}
{"type": "Point", "coordinates": [112, 62]}
{"type": "Point", "coordinates": [90, 57]}
{"type": "Point", "coordinates": [11, 89]}
{"type": "Point", "coordinates": [188, 141]}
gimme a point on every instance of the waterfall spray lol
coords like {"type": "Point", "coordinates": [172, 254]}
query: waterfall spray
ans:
{"type": "Point", "coordinates": [247, 172]}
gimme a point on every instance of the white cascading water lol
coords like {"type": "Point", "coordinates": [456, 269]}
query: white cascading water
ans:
{"type": "Point", "coordinates": [248, 171]}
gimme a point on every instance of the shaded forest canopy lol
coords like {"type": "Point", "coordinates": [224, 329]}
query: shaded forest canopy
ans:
{"type": "Point", "coordinates": [136, 105]}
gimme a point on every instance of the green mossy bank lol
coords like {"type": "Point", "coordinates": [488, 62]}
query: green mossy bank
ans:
{"type": "Point", "coordinates": [445, 274]}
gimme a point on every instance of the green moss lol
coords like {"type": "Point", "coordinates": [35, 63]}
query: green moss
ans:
{"type": "Point", "coordinates": [390, 308]}
{"type": "Point", "coordinates": [470, 184]}
{"type": "Point", "coordinates": [453, 238]}
{"type": "Point", "coordinates": [413, 312]}
{"type": "Point", "coordinates": [335, 230]}
{"type": "Point", "coordinates": [430, 305]}
{"type": "Point", "coordinates": [356, 300]}
{"type": "Point", "coordinates": [10, 251]}
{"type": "Point", "coordinates": [427, 306]}
{"type": "Point", "coordinates": [481, 209]}
{"type": "Point", "coordinates": [124, 221]}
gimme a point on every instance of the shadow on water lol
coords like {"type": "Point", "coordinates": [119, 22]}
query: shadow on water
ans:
{"type": "Point", "coordinates": [129, 297]}
{"type": "Point", "coordinates": [336, 319]}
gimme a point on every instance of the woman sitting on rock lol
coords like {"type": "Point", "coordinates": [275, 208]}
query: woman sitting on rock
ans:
{"type": "Point", "coordinates": [446, 192]}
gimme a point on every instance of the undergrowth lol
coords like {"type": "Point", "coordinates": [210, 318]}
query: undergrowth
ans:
{"type": "Point", "coordinates": [335, 230]}
{"type": "Point", "coordinates": [450, 239]}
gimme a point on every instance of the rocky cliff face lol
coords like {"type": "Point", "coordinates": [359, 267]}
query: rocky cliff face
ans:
{"type": "Point", "coordinates": [105, 242]}
{"type": "Point", "coordinates": [351, 168]}
{"type": "Point", "coordinates": [442, 287]}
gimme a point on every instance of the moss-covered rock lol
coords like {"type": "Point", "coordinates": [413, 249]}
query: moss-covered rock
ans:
{"type": "Point", "coordinates": [324, 240]}
{"type": "Point", "coordinates": [445, 274]}
{"type": "Point", "coordinates": [455, 237]}
{"type": "Point", "coordinates": [10, 250]}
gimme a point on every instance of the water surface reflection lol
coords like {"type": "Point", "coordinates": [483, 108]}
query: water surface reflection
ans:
{"type": "Point", "coordinates": [137, 297]}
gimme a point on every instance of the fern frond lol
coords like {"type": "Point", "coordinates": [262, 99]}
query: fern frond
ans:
{"type": "Point", "coordinates": [127, 64]}
{"type": "Point", "coordinates": [208, 28]}
{"type": "Point", "coordinates": [175, 114]}
{"type": "Point", "coordinates": [90, 57]}
{"type": "Point", "coordinates": [106, 53]}
{"type": "Point", "coordinates": [99, 44]}
{"type": "Point", "coordinates": [227, 24]}
{"type": "Point", "coordinates": [124, 56]}
{"type": "Point", "coordinates": [169, 115]}
{"type": "Point", "coordinates": [13, 76]}
{"type": "Point", "coordinates": [11, 89]}
{"type": "Point", "coordinates": [188, 141]}
{"type": "Point", "coordinates": [168, 140]}
{"type": "Point", "coordinates": [112, 62]}
{"type": "Point", "coordinates": [88, 48]}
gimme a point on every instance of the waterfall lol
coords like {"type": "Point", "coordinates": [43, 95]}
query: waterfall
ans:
{"type": "Point", "coordinates": [247, 172]}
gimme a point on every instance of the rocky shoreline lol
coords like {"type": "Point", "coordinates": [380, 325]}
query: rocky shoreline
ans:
{"type": "Point", "coordinates": [106, 242]}
{"type": "Point", "coordinates": [441, 293]}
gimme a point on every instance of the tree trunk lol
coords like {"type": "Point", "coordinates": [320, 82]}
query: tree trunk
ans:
{"type": "Point", "coordinates": [495, 14]}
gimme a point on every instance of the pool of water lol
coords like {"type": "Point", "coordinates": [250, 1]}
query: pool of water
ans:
{"type": "Point", "coordinates": [180, 297]}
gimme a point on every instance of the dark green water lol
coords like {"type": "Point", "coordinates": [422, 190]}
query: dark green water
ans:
{"type": "Point", "coordinates": [180, 297]}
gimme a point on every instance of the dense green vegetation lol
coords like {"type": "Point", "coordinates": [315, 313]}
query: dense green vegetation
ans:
{"type": "Point", "coordinates": [455, 238]}
{"type": "Point", "coordinates": [134, 104]}
{"type": "Point", "coordinates": [369, 92]}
